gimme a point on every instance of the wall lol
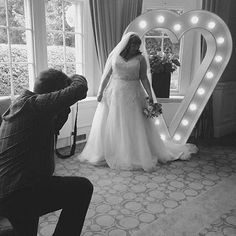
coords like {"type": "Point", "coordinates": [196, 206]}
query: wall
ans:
{"type": "Point", "coordinates": [224, 108]}
{"type": "Point", "coordinates": [224, 96]}
{"type": "Point", "coordinates": [169, 108]}
{"type": "Point", "coordinates": [86, 110]}
{"type": "Point", "coordinates": [230, 19]}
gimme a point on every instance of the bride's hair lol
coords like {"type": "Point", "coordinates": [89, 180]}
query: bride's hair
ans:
{"type": "Point", "coordinates": [132, 39]}
{"type": "Point", "coordinates": [120, 49]}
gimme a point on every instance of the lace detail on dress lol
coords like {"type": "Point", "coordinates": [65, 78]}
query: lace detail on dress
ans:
{"type": "Point", "coordinates": [125, 84]}
{"type": "Point", "coordinates": [126, 70]}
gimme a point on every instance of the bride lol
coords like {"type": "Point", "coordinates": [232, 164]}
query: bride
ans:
{"type": "Point", "coordinates": [121, 136]}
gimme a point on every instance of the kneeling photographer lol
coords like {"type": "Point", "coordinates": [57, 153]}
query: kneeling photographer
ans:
{"type": "Point", "coordinates": [28, 188]}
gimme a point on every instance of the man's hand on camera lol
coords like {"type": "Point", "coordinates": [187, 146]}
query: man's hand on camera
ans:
{"type": "Point", "coordinates": [68, 81]}
{"type": "Point", "coordinates": [79, 77]}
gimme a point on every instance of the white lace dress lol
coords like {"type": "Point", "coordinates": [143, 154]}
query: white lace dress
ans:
{"type": "Point", "coordinates": [120, 134]}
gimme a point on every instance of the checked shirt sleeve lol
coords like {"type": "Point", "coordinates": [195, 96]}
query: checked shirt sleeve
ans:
{"type": "Point", "coordinates": [55, 102]}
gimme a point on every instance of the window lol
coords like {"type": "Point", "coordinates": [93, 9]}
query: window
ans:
{"type": "Point", "coordinates": [64, 35]}
{"type": "Point", "coordinates": [16, 61]}
{"type": "Point", "coordinates": [157, 41]}
{"type": "Point", "coordinates": [35, 35]}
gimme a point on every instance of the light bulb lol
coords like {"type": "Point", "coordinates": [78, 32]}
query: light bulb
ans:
{"type": "Point", "coordinates": [177, 137]}
{"type": "Point", "coordinates": [209, 75]}
{"type": "Point", "coordinates": [201, 91]}
{"type": "Point", "coordinates": [163, 137]}
{"type": "Point", "coordinates": [184, 122]}
{"type": "Point", "coordinates": [193, 107]}
{"type": "Point", "coordinates": [177, 27]}
{"type": "Point", "coordinates": [157, 122]}
{"type": "Point", "coordinates": [194, 19]}
{"type": "Point", "coordinates": [211, 25]}
{"type": "Point", "coordinates": [142, 24]}
{"type": "Point", "coordinates": [220, 40]}
{"type": "Point", "coordinates": [160, 19]}
{"type": "Point", "coordinates": [218, 58]}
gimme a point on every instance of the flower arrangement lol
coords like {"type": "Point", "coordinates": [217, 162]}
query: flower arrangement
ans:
{"type": "Point", "coordinates": [164, 61]}
{"type": "Point", "coordinates": [152, 110]}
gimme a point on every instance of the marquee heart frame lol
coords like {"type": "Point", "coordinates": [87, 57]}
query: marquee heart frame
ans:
{"type": "Point", "coordinates": [219, 48]}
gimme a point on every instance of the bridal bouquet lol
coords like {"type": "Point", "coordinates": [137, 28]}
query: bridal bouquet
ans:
{"type": "Point", "coordinates": [152, 110]}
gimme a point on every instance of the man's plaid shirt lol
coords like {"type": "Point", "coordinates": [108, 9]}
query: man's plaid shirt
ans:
{"type": "Point", "coordinates": [27, 135]}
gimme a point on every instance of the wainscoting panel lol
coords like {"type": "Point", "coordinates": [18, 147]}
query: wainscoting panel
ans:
{"type": "Point", "coordinates": [170, 107]}
{"type": "Point", "coordinates": [224, 108]}
{"type": "Point", "coordinates": [86, 110]}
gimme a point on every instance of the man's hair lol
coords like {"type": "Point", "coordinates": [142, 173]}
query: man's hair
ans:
{"type": "Point", "coordinates": [50, 80]}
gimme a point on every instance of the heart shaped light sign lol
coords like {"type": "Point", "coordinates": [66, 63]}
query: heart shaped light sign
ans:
{"type": "Point", "coordinates": [219, 48]}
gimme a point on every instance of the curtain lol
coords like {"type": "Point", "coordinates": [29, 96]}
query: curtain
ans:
{"type": "Point", "coordinates": [204, 128]}
{"type": "Point", "coordinates": [219, 7]}
{"type": "Point", "coordinates": [109, 20]}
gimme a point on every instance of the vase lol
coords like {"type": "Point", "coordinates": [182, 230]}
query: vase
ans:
{"type": "Point", "coordinates": [161, 84]}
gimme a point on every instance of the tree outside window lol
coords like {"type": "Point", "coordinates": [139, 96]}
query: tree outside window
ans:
{"type": "Point", "coordinates": [157, 41]}
{"type": "Point", "coordinates": [64, 41]}
{"type": "Point", "coordinates": [64, 35]}
{"type": "Point", "coordinates": [15, 62]}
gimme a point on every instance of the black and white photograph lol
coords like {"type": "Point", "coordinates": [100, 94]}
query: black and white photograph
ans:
{"type": "Point", "coordinates": [117, 118]}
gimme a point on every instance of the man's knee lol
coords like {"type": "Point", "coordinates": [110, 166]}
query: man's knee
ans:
{"type": "Point", "coordinates": [79, 186]}
{"type": "Point", "coordinates": [86, 185]}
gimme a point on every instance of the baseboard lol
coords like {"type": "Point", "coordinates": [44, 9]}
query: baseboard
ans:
{"type": "Point", "coordinates": [82, 135]}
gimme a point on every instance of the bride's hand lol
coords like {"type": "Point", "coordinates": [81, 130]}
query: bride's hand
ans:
{"type": "Point", "coordinates": [99, 97]}
{"type": "Point", "coordinates": [150, 100]}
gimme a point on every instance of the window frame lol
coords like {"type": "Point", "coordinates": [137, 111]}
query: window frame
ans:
{"type": "Point", "coordinates": [36, 41]}
{"type": "Point", "coordinates": [163, 37]}
{"type": "Point", "coordinates": [40, 44]}
{"type": "Point", "coordinates": [28, 29]}
{"type": "Point", "coordinates": [78, 36]}
{"type": "Point", "coordinates": [181, 90]}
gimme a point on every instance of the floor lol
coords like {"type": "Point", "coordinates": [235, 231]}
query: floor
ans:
{"type": "Point", "coordinates": [195, 197]}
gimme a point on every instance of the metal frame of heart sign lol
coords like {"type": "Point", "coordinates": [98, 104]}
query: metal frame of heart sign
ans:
{"type": "Point", "coordinates": [218, 52]}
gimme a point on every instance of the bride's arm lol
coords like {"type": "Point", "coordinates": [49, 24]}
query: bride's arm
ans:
{"type": "Point", "coordinates": [144, 78]}
{"type": "Point", "coordinates": [103, 86]}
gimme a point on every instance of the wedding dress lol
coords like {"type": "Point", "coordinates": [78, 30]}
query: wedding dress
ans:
{"type": "Point", "coordinates": [121, 135]}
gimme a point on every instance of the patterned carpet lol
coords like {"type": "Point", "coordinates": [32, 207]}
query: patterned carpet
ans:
{"type": "Point", "coordinates": [126, 202]}
{"type": "Point", "coordinates": [225, 225]}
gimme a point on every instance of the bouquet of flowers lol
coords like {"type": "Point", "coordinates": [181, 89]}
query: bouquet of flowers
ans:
{"type": "Point", "coordinates": [152, 110]}
{"type": "Point", "coordinates": [164, 61]}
